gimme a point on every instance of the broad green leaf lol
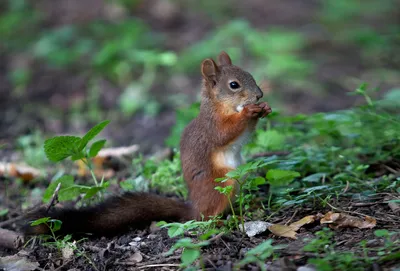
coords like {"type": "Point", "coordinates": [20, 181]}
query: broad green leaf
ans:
{"type": "Point", "coordinates": [60, 147]}
{"type": "Point", "coordinates": [66, 181]}
{"type": "Point", "coordinates": [280, 177]}
{"type": "Point", "coordinates": [189, 255]}
{"type": "Point", "coordinates": [259, 181]}
{"type": "Point", "coordinates": [175, 231]}
{"type": "Point", "coordinates": [96, 147]}
{"type": "Point", "coordinates": [93, 190]}
{"type": "Point", "coordinates": [77, 156]}
{"type": "Point", "coordinates": [270, 140]}
{"type": "Point", "coordinates": [40, 221]}
{"type": "Point", "coordinates": [56, 224]}
{"type": "Point", "coordinates": [72, 192]}
{"type": "Point", "coordinates": [92, 134]}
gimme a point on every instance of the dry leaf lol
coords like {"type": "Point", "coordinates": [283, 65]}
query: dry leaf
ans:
{"type": "Point", "coordinates": [26, 173]}
{"type": "Point", "coordinates": [136, 257]}
{"type": "Point", "coordinates": [393, 204]}
{"type": "Point", "coordinates": [342, 220]}
{"type": "Point", "coordinates": [283, 231]}
{"type": "Point", "coordinates": [305, 220]}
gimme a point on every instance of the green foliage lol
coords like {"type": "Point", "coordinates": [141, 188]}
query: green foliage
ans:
{"type": "Point", "coordinates": [18, 24]}
{"type": "Point", "coordinates": [280, 177]}
{"type": "Point", "coordinates": [276, 47]}
{"type": "Point", "coordinates": [328, 258]}
{"type": "Point", "coordinates": [69, 190]}
{"type": "Point", "coordinates": [178, 229]}
{"type": "Point", "coordinates": [191, 251]}
{"type": "Point", "coordinates": [61, 147]}
{"type": "Point", "coordinates": [183, 117]}
{"type": "Point", "coordinates": [259, 254]}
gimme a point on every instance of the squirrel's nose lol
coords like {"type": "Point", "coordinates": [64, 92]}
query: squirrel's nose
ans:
{"type": "Point", "coordinates": [259, 94]}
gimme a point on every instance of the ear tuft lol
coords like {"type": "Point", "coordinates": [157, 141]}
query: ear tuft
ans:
{"type": "Point", "coordinates": [224, 59]}
{"type": "Point", "coordinates": [209, 70]}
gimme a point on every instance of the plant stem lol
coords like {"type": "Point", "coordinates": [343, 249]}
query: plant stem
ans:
{"type": "Point", "coordinates": [240, 205]}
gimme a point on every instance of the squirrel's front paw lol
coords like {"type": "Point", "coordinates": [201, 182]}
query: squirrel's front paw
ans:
{"type": "Point", "coordinates": [266, 109]}
{"type": "Point", "coordinates": [252, 111]}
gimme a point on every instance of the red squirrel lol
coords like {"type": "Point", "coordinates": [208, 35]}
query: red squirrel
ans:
{"type": "Point", "coordinates": [210, 147]}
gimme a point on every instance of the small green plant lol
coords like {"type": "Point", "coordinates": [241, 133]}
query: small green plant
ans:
{"type": "Point", "coordinates": [178, 229]}
{"type": "Point", "coordinates": [51, 240]}
{"type": "Point", "coordinates": [62, 147]}
{"type": "Point", "coordinates": [259, 254]}
{"type": "Point", "coordinates": [241, 175]}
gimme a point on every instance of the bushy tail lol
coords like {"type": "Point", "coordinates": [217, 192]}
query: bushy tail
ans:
{"type": "Point", "coordinates": [115, 215]}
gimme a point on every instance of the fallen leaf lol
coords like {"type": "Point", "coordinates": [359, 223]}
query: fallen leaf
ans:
{"type": "Point", "coordinates": [393, 203]}
{"type": "Point", "coordinates": [24, 172]}
{"type": "Point", "coordinates": [255, 227]}
{"type": "Point", "coordinates": [342, 220]}
{"type": "Point", "coordinates": [305, 220]}
{"type": "Point", "coordinates": [136, 257]}
{"type": "Point", "coordinates": [283, 231]}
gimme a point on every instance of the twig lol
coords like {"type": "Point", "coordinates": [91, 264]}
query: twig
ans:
{"type": "Point", "coordinates": [159, 265]}
{"type": "Point", "coordinates": [291, 218]}
{"type": "Point", "coordinates": [54, 198]}
{"type": "Point", "coordinates": [10, 239]}
{"type": "Point", "coordinates": [216, 237]}
{"type": "Point", "coordinates": [157, 261]}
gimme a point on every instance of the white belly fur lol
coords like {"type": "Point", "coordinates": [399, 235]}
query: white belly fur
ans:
{"type": "Point", "coordinates": [232, 156]}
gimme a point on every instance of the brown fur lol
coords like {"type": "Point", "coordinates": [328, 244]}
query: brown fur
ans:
{"type": "Point", "coordinates": [210, 147]}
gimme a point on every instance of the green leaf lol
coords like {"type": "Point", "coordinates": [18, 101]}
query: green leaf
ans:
{"type": "Point", "coordinates": [40, 221]}
{"type": "Point", "coordinates": [189, 255]}
{"type": "Point", "coordinates": [259, 181]}
{"type": "Point", "coordinates": [93, 190]}
{"type": "Point", "coordinates": [56, 224]}
{"type": "Point", "coordinates": [78, 156]}
{"type": "Point", "coordinates": [66, 181]}
{"type": "Point", "coordinates": [72, 192]}
{"type": "Point", "coordinates": [60, 147]}
{"type": "Point", "coordinates": [92, 133]}
{"type": "Point", "coordinates": [175, 231]}
{"type": "Point", "coordinates": [381, 233]}
{"type": "Point", "coordinates": [3, 212]}
{"type": "Point", "coordinates": [280, 177]}
{"type": "Point", "coordinates": [96, 147]}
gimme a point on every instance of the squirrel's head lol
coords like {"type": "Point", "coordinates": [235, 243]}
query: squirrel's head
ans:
{"type": "Point", "coordinates": [229, 84]}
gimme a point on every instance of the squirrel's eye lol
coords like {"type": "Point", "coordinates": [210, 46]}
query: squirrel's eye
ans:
{"type": "Point", "coordinates": [234, 85]}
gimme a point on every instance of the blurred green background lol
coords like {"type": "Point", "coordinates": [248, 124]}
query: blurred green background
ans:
{"type": "Point", "coordinates": [67, 64]}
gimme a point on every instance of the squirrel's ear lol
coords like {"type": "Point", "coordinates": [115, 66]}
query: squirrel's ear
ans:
{"type": "Point", "coordinates": [224, 59]}
{"type": "Point", "coordinates": [209, 70]}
